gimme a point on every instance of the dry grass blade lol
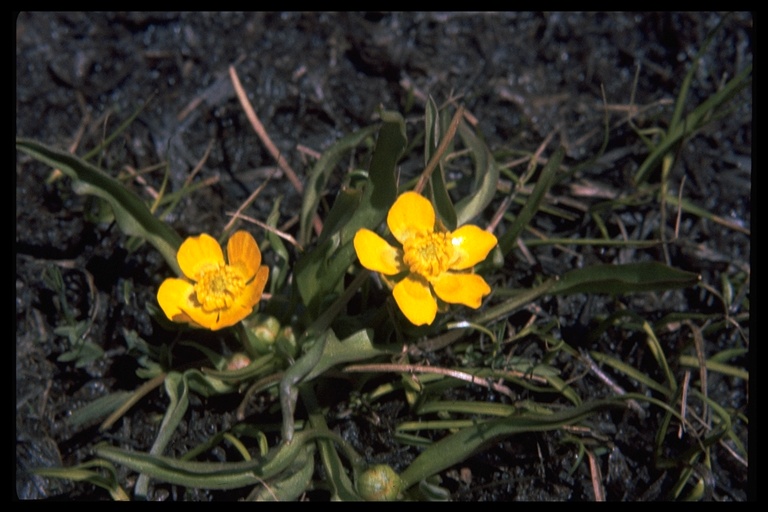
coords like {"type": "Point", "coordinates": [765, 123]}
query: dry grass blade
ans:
{"type": "Point", "coordinates": [267, 141]}
{"type": "Point", "coordinates": [597, 477]}
{"type": "Point", "coordinates": [441, 149]}
{"type": "Point", "coordinates": [281, 234]}
{"type": "Point", "coordinates": [414, 368]}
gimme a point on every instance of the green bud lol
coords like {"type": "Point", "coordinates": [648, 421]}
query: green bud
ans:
{"type": "Point", "coordinates": [238, 361]}
{"type": "Point", "coordinates": [261, 332]}
{"type": "Point", "coordinates": [379, 483]}
{"type": "Point", "coordinates": [286, 342]}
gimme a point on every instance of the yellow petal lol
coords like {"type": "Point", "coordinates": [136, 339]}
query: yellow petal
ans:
{"type": "Point", "coordinates": [208, 319]}
{"type": "Point", "coordinates": [175, 296]}
{"type": "Point", "coordinates": [412, 213]}
{"type": "Point", "coordinates": [179, 303]}
{"type": "Point", "coordinates": [467, 289]}
{"type": "Point", "coordinates": [415, 300]}
{"type": "Point", "coordinates": [252, 293]}
{"type": "Point", "coordinates": [243, 252]}
{"type": "Point", "coordinates": [197, 253]}
{"type": "Point", "coordinates": [376, 254]}
{"type": "Point", "coordinates": [229, 317]}
{"type": "Point", "coordinates": [471, 246]}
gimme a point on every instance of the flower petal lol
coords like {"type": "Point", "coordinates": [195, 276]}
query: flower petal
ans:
{"type": "Point", "coordinates": [178, 301]}
{"type": "Point", "coordinates": [415, 300]}
{"type": "Point", "coordinates": [229, 317]}
{"type": "Point", "coordinates": [412, 213]}
{"type": "Point", "coordinates": [208, 319]}
{"type": "Point", "coordinates": [467, 289]}
{"type": "Point", "coordinates": [243, 252]}
{"type": "Point", "coordinates": [376, 254]}
{"type": "Point", "coordinates": [251, 295]}
{"type": "Point", "coordinates": [197, 253]}
{"type": "Point", "coordinates": [175, 296]}
{"type": "Point", "coordinates": [471, 245]}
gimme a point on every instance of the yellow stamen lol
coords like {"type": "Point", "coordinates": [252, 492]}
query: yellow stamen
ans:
{"type": "Point", "coordinates": [428, 254]}
{"type": "Point", "coordinates": [217, 287]}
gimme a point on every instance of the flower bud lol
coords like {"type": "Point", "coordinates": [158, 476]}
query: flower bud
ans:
{"type": "Point", "coordinates": [379, 483]}
{"type": "Point", "coordinates": [261, 333]}
{"type": "Point", "coordinates": [238, 361]}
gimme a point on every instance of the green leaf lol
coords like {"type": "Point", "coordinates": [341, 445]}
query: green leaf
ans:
{"type": "Point", "coordinates": [693, 122]}
{"type": "Point", "coordinates": [318, 178]}
{"type": "Point", "coordinates": [178, 394]}
{"type": "Point", "coordinates": [545, 182]}
{"type": "Point", "coordinates": [279, 272]}
{"type": "Point", "coordinates": [325, 352]}
{"type": "Point", "coordinates": [132, 214]}
{"type": "Point", "coordinates": [209, 475]}
{"type": "Point", "coordinates": [486, 178]}
{"type": "Point", "coordinates": [83, 354]}
{"type": "Point", "coordinates": [622, 279]}
{"type": "Point", "coordinates": [291, 483]}
{"type": "Point", "coordinates": [83, 473]}
{"type": "Point", "coordinates": [434, 132]}
{"type": "Point", "coordinates": [99, 408]}
{"type": "Point", "coordinates": [319, 271]}
{"type": "Point", "coordinates": [457, 447]}
{"type": "Point", "coordinates": [337, 478]}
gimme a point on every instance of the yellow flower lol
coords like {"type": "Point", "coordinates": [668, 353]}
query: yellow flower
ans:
{"type": "Point", "coordinates": [216, 294]}
{"type": "Point", "coordinates": [436, 261]}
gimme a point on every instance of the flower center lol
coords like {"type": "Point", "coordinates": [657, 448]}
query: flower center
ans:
{"type": "Point", "coordinates": [428, 254]}
{"type": "Point", "coordinates": [217, 287]}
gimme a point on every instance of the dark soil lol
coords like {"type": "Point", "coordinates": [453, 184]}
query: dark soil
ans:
{"type": "Point", "coordinates": [312, 78]}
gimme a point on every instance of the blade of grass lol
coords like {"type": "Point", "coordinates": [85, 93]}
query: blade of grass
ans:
{"type": "Point", "coordinates": [546, 180]}
{"type": "Point", "coordinates": [692, 123]}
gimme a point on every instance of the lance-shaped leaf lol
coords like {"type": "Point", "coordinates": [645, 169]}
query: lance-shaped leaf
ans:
{"type": "Point", "coordinates": [622, 279]}
{"type": "Point", "coordinates": [132, 214]}
{"type": "Point", "coordinates": [319, 271]}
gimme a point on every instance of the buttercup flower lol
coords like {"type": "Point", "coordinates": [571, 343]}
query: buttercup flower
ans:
{"type": "Point", "coordinates": [216, 293]}
{"type": "Point", "coordinates": [437, 262]}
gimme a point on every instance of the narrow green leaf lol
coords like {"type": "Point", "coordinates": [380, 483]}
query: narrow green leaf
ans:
{"type": "Point", "coordinates": [630, 372]}
{"type": "Point", "coordinates": [434, 132]}
{"type": "Point", "coordinates": [132, 214]}
{"type": "Point", "coordinates": [120, 129]}
{"type": "Point", "coordinates": [209, 475]}
{"type": "Point", "coordinates": [99, 408]}
{"type": "Point", "coordinates": [455, 406]}
{"type": "Point", "coordinates": [341, 486]}
{"type": "Point", "coordinates": [546, 180]}
{"type": "Point", "coordinates": [80, 473]}
{"type": "Point", "coordinates": [658, 353]}
{"type": "Point", "coordinates": [177, 390]}
{"type": "Point", "coordinates": [692, 123]}
{"type": "Point", "coordinates": [318, 178]}
{"type": "Point", "coordinates": [291, 483]}
{"type": "Point", "coordinates": [685, 86]}
{"type": "Point", "coordinates": [457, 447]}
{"type": "Point", "coordinates": [319, 271]}
{"type": "Point", "coordinates": [381, 190]}
{"type": "Point", "coordinates": [622, 279]}
{"type": "Point", "coordinates": [486, 177]}
{"type": "Point", "coordinates": [280, 272]}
